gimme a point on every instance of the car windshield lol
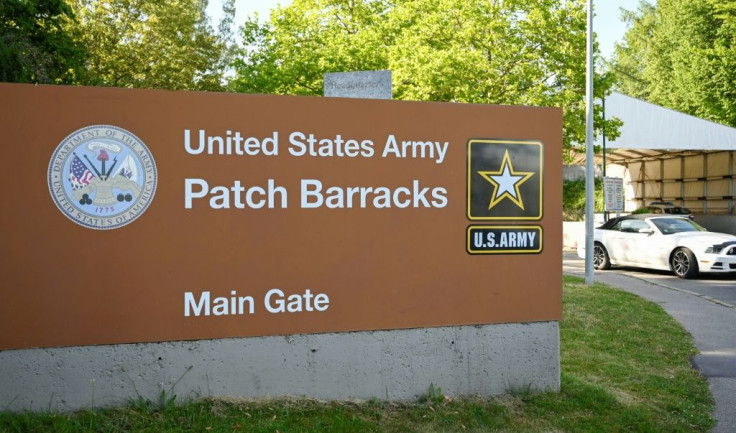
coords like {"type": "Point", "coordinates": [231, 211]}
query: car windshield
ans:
{"type": "Point", "coordinates": [677, 210]}
{"type": "Point", "coordinates": [670, 226]}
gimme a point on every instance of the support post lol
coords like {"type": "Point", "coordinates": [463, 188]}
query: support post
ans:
{"type": "Point", "coordinates": [605, 209]}
{"type": "Point", "coordinates": [705, 184]}
{"type": "Point", "coordinates": [661, 179]}
{"type": "Point", "coordinates": [731, 182]}
{"type": "Point", "coordinates": [682, 179]}
{"type": "Point", "coordinates": [589, 166]}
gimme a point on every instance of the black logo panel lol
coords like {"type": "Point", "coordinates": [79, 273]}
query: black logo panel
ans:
{"type": "Point", "coordinates": [504, 179]}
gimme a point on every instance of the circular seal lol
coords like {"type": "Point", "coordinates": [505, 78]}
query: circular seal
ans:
{"type": "Point", "coordinates": [102, 177]}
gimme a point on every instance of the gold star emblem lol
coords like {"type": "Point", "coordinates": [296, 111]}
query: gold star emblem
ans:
{"type": "Point", "coordinates": [506, 182]}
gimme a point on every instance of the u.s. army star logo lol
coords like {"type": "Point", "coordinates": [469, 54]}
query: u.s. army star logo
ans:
{"type": "Point", "coordinates": [504, 179]}
{"type": "Point", "coordinates": [102, 177]}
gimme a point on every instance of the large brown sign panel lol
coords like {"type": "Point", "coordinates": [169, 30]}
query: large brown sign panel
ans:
{"type": "Point", "coordinates": [143, 216]}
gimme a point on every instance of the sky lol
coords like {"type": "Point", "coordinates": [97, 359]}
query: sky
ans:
{"type": "Point", "coordinates": [607, 23]}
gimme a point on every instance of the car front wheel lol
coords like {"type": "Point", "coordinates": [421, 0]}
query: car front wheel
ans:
{"type": "Point", "coordinates": [683, 263]}
{"type": "Point", "coordinates": [601, 260]}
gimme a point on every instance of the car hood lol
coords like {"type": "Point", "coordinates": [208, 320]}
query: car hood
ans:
{"type": "Point", "coordinates": [703, 239]}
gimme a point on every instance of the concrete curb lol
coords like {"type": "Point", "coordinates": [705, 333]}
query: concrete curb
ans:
{"type": "Point", "coordinates": [707, 298]}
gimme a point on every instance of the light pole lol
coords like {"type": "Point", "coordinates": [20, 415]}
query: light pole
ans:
{"type": "Point", "coordinates": [589, 166]}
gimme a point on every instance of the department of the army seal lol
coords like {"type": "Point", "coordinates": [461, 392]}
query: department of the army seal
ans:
{"type": "Point", "coordinates": [102, 177]}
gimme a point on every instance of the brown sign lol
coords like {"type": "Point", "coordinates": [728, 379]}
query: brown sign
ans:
{"type": "Point", "coordinates": [141, 216]}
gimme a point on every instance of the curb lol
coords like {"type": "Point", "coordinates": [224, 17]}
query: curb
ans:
{"type": "Point", "coordinates": [707, 298]}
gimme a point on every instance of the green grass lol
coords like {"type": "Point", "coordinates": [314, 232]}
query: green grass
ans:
{"type": "Point", "coordinates": [625, 368]}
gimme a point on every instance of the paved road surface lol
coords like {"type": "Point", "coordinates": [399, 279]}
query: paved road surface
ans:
{"type": "Point", "coordinates": [720, 287]}
{"type": "Point", "coordinates": [703, 309]}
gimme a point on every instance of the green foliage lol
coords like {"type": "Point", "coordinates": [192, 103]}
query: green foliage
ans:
{"type": "Point", "coordinates": [124, 43]}
{"type": "Point", "coordinates": [510, 52]}
{"type": "Point", "coordinates": [434, 395]}
{"type": "Point", "coordinates": [573, 198]}
{"type": "Point", "coordinates": [682, 54]}
{"type": "Point", "coordinates": [150, 44]}
{"type": "Point", "coordinates": [289, 54]}
{"type": "Point", "coordinates": [642, 210]}
{"type": "Point", "coordinates": [630, 57]}
{"type": "Point", "coordinates": [165, 403]}
{"type": "Point", "coordinates": [35, 44]}
{"type": "Point", "coordinates": [142, 405]}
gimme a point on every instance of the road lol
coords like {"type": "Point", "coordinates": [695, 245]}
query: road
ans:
{"type": "Point", "coordinates": [720, 288]}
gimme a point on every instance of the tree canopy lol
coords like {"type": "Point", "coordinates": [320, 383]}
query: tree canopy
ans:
{"type": "Point", "coordinates": [166, 44]}
{"type": "Point", "coordinates": [526, 52]}
{"type": "Point", "coordinates": [495, 52]}
{"type": "Point", "coordinates": [150, 43]}
{"type": "Point", "coordinates": [289, 53]}
{"type": "Point", "coordinates": [681, 54]}
{"type": "Point", "coordinates": [35, 43]}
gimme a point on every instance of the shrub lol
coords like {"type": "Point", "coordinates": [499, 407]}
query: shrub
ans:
{"type": "Point", "coordinates": [573, 199]}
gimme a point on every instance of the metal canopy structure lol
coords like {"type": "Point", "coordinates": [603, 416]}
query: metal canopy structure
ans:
{"type": "Point", "coordinates": [673, 156]}
{"type": "Point", "coordinates": [653, 127]}
{"type": "Point", "coordinates": [627, 156]}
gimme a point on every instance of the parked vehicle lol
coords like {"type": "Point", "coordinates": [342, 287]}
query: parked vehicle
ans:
{"type": "Point", "coordinates": [664, 242]}
{"type": "Point", "coordinates": [667, 207]}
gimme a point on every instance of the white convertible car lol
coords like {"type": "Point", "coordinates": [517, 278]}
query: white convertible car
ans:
{"type": "Point", "coordinates": [662, 242]}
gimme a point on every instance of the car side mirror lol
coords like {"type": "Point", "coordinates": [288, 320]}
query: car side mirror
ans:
{"type": "Point", "coordinates": [647, 231]}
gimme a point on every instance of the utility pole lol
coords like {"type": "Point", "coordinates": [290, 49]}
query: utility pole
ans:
{"type": "Point", "coordinates": [589, 166]}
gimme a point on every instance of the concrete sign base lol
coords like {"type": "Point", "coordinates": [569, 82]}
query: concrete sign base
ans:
{"type": "Point", "coordinates": [393, 365]}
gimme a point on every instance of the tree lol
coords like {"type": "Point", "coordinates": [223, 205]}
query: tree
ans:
{"type": "Point", "coordinates": [629, 57]}
{"type": "Point", "coordinates": [494, 52]}
{"type": "Point", "coordinates": [682, 54]}
{"type": "Point", "coordinates": [35, 46]}
{"type": "Point", "coordinates": [523, 52]}
{"type": "Point", "coordinates": [290, 53]}
{"type": "Point", "coordinates": [151, 44]}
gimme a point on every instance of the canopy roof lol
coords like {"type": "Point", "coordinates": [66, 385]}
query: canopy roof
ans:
{"type": "Point", "coordinates": [653, 132]}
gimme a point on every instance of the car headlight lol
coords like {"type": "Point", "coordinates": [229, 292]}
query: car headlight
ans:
{"type": "Point", "coordinates": [721, 248]}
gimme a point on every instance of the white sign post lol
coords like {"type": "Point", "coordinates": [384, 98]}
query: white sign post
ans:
{"type": "Point", "coordinates": [613, 191]}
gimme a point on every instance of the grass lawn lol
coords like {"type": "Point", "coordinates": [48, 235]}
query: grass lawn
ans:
{"type": "Point", "coordinates": [625, 368]}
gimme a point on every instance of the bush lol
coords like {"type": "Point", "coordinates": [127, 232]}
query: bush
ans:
{"type": "Point", "coordinates": [642, 210]}
{"type": "Point", "coordinates": [573, 199]}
